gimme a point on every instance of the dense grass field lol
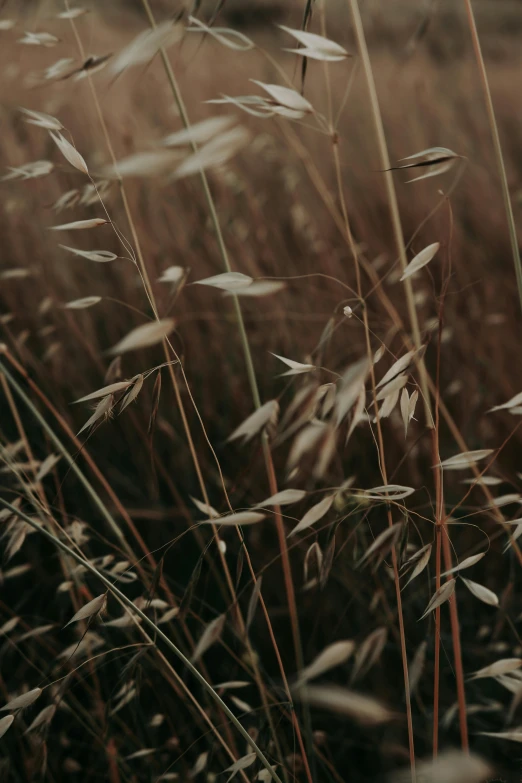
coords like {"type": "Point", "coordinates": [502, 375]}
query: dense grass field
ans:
{"type": "Point", "coordinates": [260, 389]}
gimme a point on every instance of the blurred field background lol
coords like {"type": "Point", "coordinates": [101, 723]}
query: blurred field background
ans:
{"type": "Point", "coordinates": [121, 713]}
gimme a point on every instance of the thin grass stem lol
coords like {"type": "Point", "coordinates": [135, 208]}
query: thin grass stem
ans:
{"type": "Point", "coordinates": [513, 238]}
{"type": "Point", "coordinates": [157, 632]}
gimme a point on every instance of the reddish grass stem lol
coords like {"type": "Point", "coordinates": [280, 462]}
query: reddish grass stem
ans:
{"type": "Point", "coordinates": [382, 461]}
{"type": "Point", "coordinates": [457, 649]}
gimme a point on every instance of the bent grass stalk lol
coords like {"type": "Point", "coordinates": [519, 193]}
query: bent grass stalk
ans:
{"type": "Point", "coordinates": [157, 632]}
{"type": "Point", "coordinates": [86, 455]}
{"type": "Point", "coordinates": [79, 473]}
{"type": "Point", "coordinates": [42, 499]}
{"type": "Point", "coordinates": [113, 525]}
{"type": "Point", "coordinates": [179, 686]}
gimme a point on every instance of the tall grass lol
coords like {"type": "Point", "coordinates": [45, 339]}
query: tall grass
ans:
{"type": "Point", "coordinates": [232, 570]}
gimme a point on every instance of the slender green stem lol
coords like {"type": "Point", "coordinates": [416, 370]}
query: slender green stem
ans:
{"type": "Point", "coordinates": [292, 606]}
{"type": "Point", "coordinates": [69, 459]}
{"type": "Point", "coordinates": [150, 295]}
{"type": "Point", "coordinates": [158, 633]}
{"type": "Point", "coordinates": [213, 215]}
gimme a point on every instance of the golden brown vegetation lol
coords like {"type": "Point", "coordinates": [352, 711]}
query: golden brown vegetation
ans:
{"type": "Point", "coordinates": [162, 618]}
